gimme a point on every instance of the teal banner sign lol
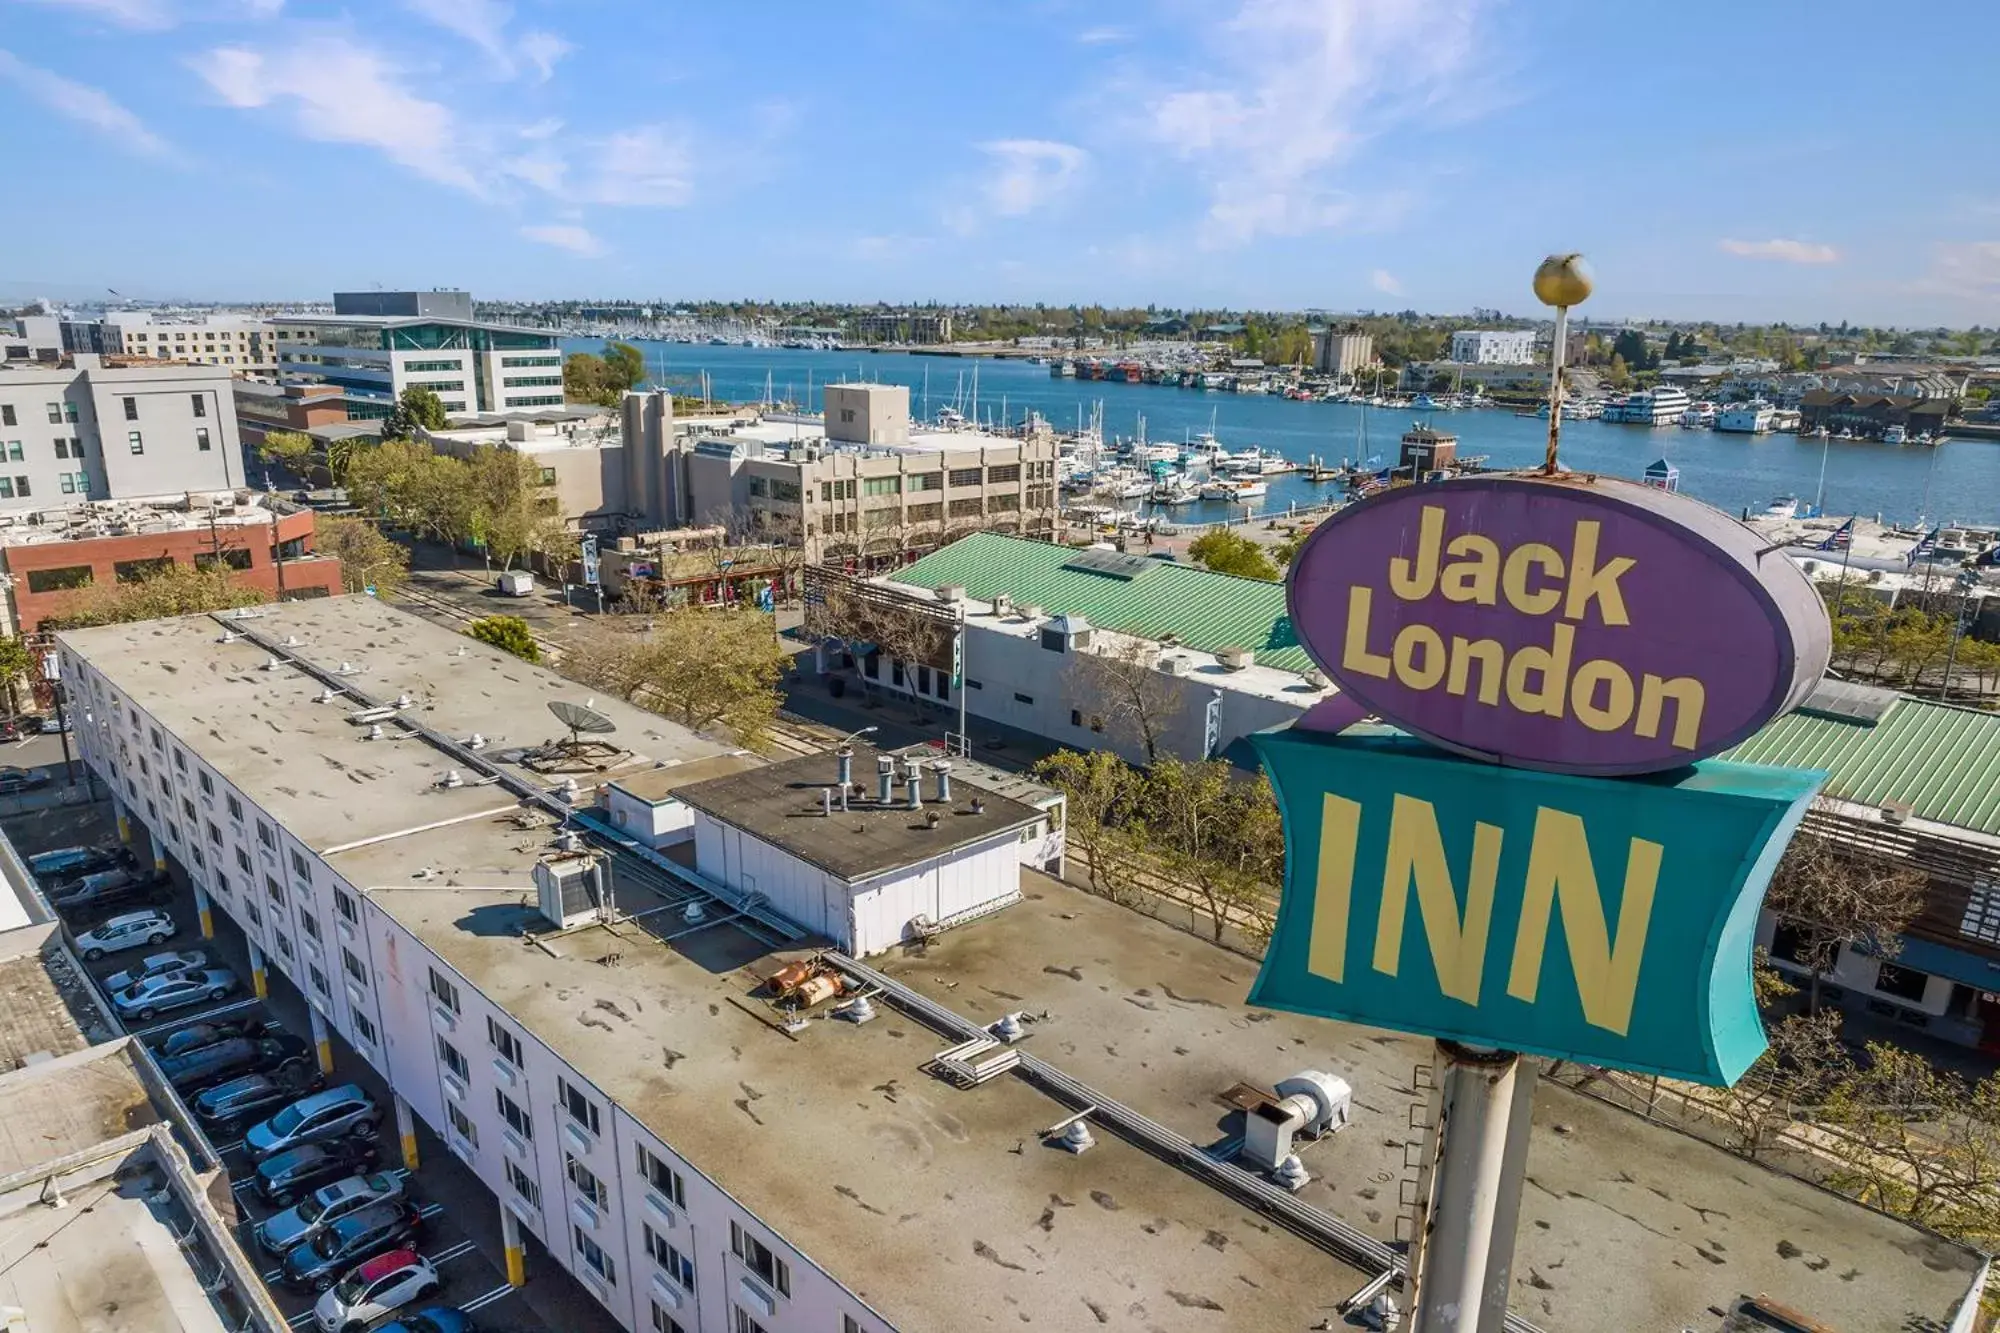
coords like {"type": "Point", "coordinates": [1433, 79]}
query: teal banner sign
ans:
{"type": "Point", "coordinates": [1610, 922]}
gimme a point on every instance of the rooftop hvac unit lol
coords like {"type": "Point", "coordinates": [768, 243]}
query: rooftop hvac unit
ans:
{"type": "Point", "coordinates": [1235, 659]}
{"type": "Point", "coordinates": [1309, 1102]}
{"type": "Point", "coordinates": [1896, 812]}
{"type": "Point", "coordinates": [1173, 664]}
{"type": "Point", "coordinates": [568, 889]}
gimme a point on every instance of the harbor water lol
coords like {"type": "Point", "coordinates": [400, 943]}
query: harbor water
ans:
{"type": "Point", "coordinates": [1956, 482]}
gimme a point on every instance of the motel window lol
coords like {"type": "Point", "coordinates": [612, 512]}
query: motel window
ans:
{"type": "Point", "coordinates": [300, 868]}
{"type": "Point", "coordinates": [453, 1059]}
{"type": "Point", "coordinates": [677, 1265]}
{"type": "Point", "coordinates": [461, 1125]}
{"type": "Point", "coordinates": [309, 924]}
{"type": "Point", "coordinates": [363, 1029]}
{"type": "Point", "coordinates": [443, 991]}
{"type": "Point", "coordinates": [523, 1184]}
{"type": "Point", "coordinates": [136, 441]}
{"type": "Point", "coordinates": [243, 861]}
{"type": "Point", "coordinates": [586, 1181]}
{"type": "Point", "coordinates": [664, 1322]}
{"type": "Point", "coordinates": [593, 1256]}
{"type": "Point", "coordinates": [235, 808]}
{"type": "Point", "coordinates": [207, 784]}
{"type": "Point", "coordinates": [265, 836]}
{"type": "Point", "coordinates": [199, 403]}
{"type": "Point", "coordinates": [355, 967]}
{"type": "Point", "coordinates": [581, 1109]}
{"type": "Point", "coordinates": [273, 891]}
{"type": "Point", "coordinates": [506, 1043]}
{"type": "Point", "coordinates": [131, 411]}
{"type": "Point", "coordinates": [201, 440]}
{"type": "Point", "coordinates": [757, 1257]}
{"type": "Point", "coordinates": [317, 977]}
{"type": "Point", "coordinates": [662, 1178]}
{"type": "Point", "coordinates": [745, 1324]}
{"type": "Point", "coordinates": [344, 905]}
{"type": "Point", "coordinates": [515, 1116]}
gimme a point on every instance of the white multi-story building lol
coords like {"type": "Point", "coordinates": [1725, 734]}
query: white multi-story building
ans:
{"type": "Point", "coordinates": [1342, 353]}
{"type": "Point", "coordinates": [83, 430]}
{"type": "Point", "coordinates": [245, 344]}
{"type": "Point", "coordinates": [1493, 347]}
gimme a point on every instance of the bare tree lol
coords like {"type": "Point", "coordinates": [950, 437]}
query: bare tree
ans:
{"type": "Point", "coordinates": [1114, 682]}
{"type": "Point", "coordinates": [1837, 895]}
{"type": "Point", "coordinates": [1803, 1066]}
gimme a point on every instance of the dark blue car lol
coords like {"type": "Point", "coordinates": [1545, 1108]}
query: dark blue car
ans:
{"type": "Point", "coordinates": [437, 1319]}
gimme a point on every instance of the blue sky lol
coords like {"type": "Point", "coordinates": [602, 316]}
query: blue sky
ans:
{"type": "Point", "coordinates": [1723, 160]}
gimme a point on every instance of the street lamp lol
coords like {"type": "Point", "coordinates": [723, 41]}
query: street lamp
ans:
{"type": "Point", "coordinates": [861, 731]}
{"type": "Point", "coordinates": [1562, 281]}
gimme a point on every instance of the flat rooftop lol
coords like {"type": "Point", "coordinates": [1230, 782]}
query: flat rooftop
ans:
{"type": "Point", "coordinates": [39, 1015]}
{"type": "Point", "coordinates": [58, 1107]}
{"type": "Point", "coordinates": [781, 804]}
{"type": "Point", "coordinates": [660, 784]}
{"type": "Point", "coordinates": [97, 519]}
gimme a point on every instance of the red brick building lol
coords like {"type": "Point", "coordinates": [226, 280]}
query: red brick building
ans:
{"type": "Point", "coordinates": [46, 561]}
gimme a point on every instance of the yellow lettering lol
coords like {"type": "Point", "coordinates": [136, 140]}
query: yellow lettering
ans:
{"type": "Point", "coordinates": [1688, 697]}
{"type": "Point", "coordinates": [1492, 659]}
{"type": "Point", "coordinates": [1416, 855]}
{"type": "Point", "coordinates": [1339, 828]}
{"type": "Point", "coordinates": [1405, 649]}
{"type": "Point", "coordinates": [1617, 708]}
{"type": "Point", "coordinates": [1514, 578]}
{"type": "Point", "coordinates": [1588, 580]}
{"type": "Point", "coordinates": [1552, 663]}
{"type": "Point", "coordinates": [1413, 582]}
{"type": "Point", "coordinates": [1354, 654]}
{"type": "Point", "coordinates": [1607, 970]}
{"type": "Point", "coordinates": [1476, 579]}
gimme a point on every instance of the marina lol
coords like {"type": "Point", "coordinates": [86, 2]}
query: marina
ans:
{"type": "Point", "coordinates": [1958, 481]}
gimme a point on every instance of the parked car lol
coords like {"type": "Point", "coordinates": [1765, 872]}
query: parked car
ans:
{"type": "Point", "coordinates": [192, 1069]}
{"type": "Point", "coordinates": [122, 886]}
{"type": "Point", "coordinates": [323, 1207]}
{"type": "Point", "coordinates": [14, 781]}
{"type": "Point", "coordinates": [14, 728]}
{"type": "Point", "coordinates": [363, 1234]}
{"type": "Point", "coordinates": [157, 965]}
{"type": "Point", "coordinates": [154, 996]}
{"type": "Point", "coordinates": [197, 1035]}
{"type": "Point", "coordinates": [437, 1319]}
{"type": "Point", "coordinates": [53, 724]}
{"type": "Point", "coordinates": [130, 931]}
{"type": "Point", "coordinates": [64, 863]}
{"type": "Point", "coordinates": [342, 1112]}
{"type": "Point", "coordinates": [283, 1178]}
{"type": "Point", "coordinates": [226, 1107]}
{"type": "Point", "coordinates": [380, 1286]}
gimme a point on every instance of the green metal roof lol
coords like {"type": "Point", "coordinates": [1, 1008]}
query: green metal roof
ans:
{"type": "Point", "coordinates": [1207, 610]}
{"type": "Point", "coordinates": [1944, 761]}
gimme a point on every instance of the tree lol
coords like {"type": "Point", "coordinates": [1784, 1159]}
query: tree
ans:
{"type": "Point", "coordinates": [1630, 347]}
{"type": "Point", "coordinates": [1229, 552]}
{"type": "Point", "coordinates": [624, 367]}
{"type": "Point", "coordinates": [1099, 791]}
{"type": "Point", "coordinates": [1804, 1064]}
{"type": "Point", "coordinates": [591, 378]}
{"type": "Point", "coordinates": [1287, 550]}
{"type": "Point", "coordinates": [1925, 1146]}
{"type": "Point", "coordinates": [1838, 896]}
{"type": "Point", "coordinates": [290, 449]}
{"type": "Point", "coordinates": [1617, 374]}
{"type": "Point", "coordinates": [367, 558]}
{"type": "Point", "coordinates": [17, 660]}
{"type": "Point", "coordinates": [418, 407]}
{"type": "Point", "coordinates": [168, 589]}
{"type": "Point", "coordinates": [510, 634]}
{"type": "Point", "coordinates": [702, 667]}
{"type": "Point", "coordinates": [1117, 686]}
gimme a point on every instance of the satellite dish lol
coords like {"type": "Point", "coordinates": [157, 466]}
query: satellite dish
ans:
{"type": "Point", "coordinates": [581, 719]}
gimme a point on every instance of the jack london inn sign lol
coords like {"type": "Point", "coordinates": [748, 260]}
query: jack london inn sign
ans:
{"type": "Point", "coordinates": [1555, 864]}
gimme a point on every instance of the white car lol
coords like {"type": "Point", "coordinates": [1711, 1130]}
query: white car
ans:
{"type": "Point", "coordinates": [375, 1288]}
{"type": "Point", "coordinates": [157, 965]}
{"type": "Point", "coordinates": [133, 930]}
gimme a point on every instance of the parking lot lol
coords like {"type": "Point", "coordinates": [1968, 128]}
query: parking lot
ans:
{"type": "Point", "coordinates": [460, 1232]}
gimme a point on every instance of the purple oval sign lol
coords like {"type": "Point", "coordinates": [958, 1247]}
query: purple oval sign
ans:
{"type": "Point", "coordinates": [1576, 624]}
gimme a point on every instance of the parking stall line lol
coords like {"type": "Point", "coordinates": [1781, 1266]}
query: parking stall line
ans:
{"type": "Point", "coordinates": [430, 1210]}
{"type": "Point", "coordinates": [445, 1256]}
{"type": "Point", "coordinates": [485, 1299]}
{"type": "Point", "coordinates": [301, 1320]}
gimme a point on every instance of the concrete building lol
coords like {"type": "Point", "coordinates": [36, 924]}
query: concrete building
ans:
{"type": "Point", "coordinates": [302, 408]}
{"type": "Point", "coordinates": [91, 430]}
{"type": "Point", "coordinates": [903, 326]}
{"type": "Point", "coordinates": [579, 451]}
{"type": "Point", "coordinates": [1337, 353]}
{"type": "Point", "coordinates": [36, 338]}
{"type": "Point", "coordinates": [1493, 347]}
{"type": "Point", "coordinates": [859, 484]}
{"type": "Point", "coordinates": [48, 555]}
{"type": "Point", "coordinates": [652, 1080]}
{"type": "Point", "coordinates": [243, 343]}
{"type": "Point", "coordinates": [474, 367]}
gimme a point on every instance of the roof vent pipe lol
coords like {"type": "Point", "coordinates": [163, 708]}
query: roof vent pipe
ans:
{"type": "Point", "coordinates": [916, 793]}
{"type": "Point", "coordinates": [942, 767]}
{"type": "Point", "coordinates": [845, 754]}
{"type": "Point", "coordinates": [885, 778]}
{"type": "Point", "coordinates": [843, 798]}
{"type": "Point", "coordinates": [826, 802]}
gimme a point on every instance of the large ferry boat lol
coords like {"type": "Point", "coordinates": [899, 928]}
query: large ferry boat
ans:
{"type": "Point", "coordinates": [1751, 418]}
{"type": "Point", "coordinates": [1649, 407]}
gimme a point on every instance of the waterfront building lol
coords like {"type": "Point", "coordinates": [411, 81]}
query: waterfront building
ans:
{"type": "Point", "coordinates": [1871, 414]}
{"type": "Point", "coordinates": [245, 344]}
{"type": "Point", "coordinates": [1659, 406]}
{"type": "Point", "coordinates": [920, 327]}
{"type": "Point", "coordinates": [1493, 347]}
{"type": "Point", "coordinates": [267, 542]}
{"type": "Point", "coordinates": [376, 344]}
{"type": "Point", "coordinates": [1747, 418]}
{"type": "Point", "coordinates": [92, 429]}
{"type": "Point", "coordinates": [673, 1088]}
{"type": "Point", "coordinates": [1337, 353]}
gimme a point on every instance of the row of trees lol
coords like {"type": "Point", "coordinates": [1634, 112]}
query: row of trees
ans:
{"type": "Point", "coordinates": [1910, 644]}
{"type": "Point", "coordinates": [495, 500]}
{"type": "Point", "coordinates": [590, 377]}
{"type": "Point", "coordinates": [703, 667]}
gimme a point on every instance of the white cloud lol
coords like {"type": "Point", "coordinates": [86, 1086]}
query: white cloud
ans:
{"type": "Point", "coordinates": [649, 166]}
{"type": "Point", "coordinates": [125, 13]}
{"type": "Point", "coordinates": [1964, 270]}
{"type": "Point", "coordinates": [1289, 92]}
{"type": "Point", "coordinates": [1030, 174]}
{"type": "Point", "coordinates": [1783, 250]}
{"type": "Point", "coordinates": [1382, 280]}
{"type": "Point", "coordinates": [85, 105]}
{"type": "Point", "coordinates": [484, 24]}
{"type": "Point", "coordinates": [1104, 36]}
{"type": "Point", "coordinates": [576, 239]}
{"type": "Point", "coordinates": [340, 92]}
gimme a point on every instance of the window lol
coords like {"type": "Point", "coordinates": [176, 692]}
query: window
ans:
{"type": "Point", "coordinates": [446, 994]}
{"type": "Point", "coordinates": [344, 905]}
{"type": "Point", "coordinates": [131, 411]}
{"type": "Point", "coordinates": [299, 866]}
{"type": "Point", "coordinates": [664, 1322]}
{"type": "Point", "coordinates": [760, 486]}
{"type": "Point", "coordinates": [309, 924]}
{"type": "Point", "coordinates": [581, 1109]}
{"type": "Point", "coordinates": [1020, 698]}
{"type": "Point", "coordinates": [882, 486]}
{"type": "Point", "coordinates": [318, 979]}
{"type": "Point", "coordinates": [14, 453]}
{"type": "Point", "coordinates": [964, 476]}
{"type": "Point", "coordinates": [594, 1258]}
{"type": "Point", "coordinates": [201, 439]}
{"type": "Point", "coordinates": [1075, 719]}
{"type": "Point", "coordinates": [363, 1029]}
{"type": "Point", "coordinates": [662, 1178]}
{"type": "Point", "coordinates": [138, 444]}
{"type": "Point", "coordinates": [516, 1118]}
{"type": "Point", "coordinates": [505, 1042]}
{"type": "Point", "coordinates": [181, 760]}
{"type": "Point", "coordinates": [757, 1257]}
{"type": "Point", "coordinates": [7, 415]}
{"type": "Point", "coordinates": [265, 836]}
{"type": "Point", "coordinates": [1005, 472]}
{"type": "Point", "coordinates": [450, 1057]}
{"type": "Point", "coordinates": [200, 404]}
{"type": "Point", "coordinates": [461, 1124]}
{"type": "Point", "coordinates": [1982, 913]}
{"type": "Point", "coordinates": [744, 1323]}
{"type": "Point", "coordinates": [284, 943]}
{"type": "Point", "coordinates": [243, 862]}
{"type": "Point", "coordinates": [187, 808]}
{"type": "Point", "coordinates": [69, 413]}
{"type": "Point", "coordinates": [273, 891]}
{"type": "Point", "coordinates": [1905, 983]}
{"type": "Point", "coordinates": [55, 413]}
{"type": "Point", "coordinates": [206, 783]}
{"type": "Point", "coordinates": [586, 1181]}
{"type": "Point", "coordinates": [677, 1265]}
{"type": "Point", "coordinates": [927, 481]}
{"type": "Point", "coordinates": [53, 580]}
{"type": "Point", "coordinates": [62, 447]}
{"type": "Point", "coordinates": [6, 488]}
{"type": "Point", "coordinates": [235, 808]}
{"type": "Point", "coordinates": [523, 1184]}
{"type": "Point", "coordinates": [250, 911]}
{"type": "Point", "coordinates": [355, 967]}
{"type": "Point", "coordinates": [21, 488]}
{"type": "Point", "coordinates": [214, 834]}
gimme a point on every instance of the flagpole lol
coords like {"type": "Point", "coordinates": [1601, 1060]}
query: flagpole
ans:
{"type": "Point", "coordinates": [1846, 559]}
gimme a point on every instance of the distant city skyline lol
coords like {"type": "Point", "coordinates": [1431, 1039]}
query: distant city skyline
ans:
{"type": "Point", "coordinates": [1731, 164]}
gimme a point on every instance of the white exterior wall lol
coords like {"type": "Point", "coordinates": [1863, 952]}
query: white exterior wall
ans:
{"type": "Point", "coordinates": [1857, 973]}
{"type": "Point", "coordinates": [1505, 347]}
{"type": "Point", "coordinates": [396, 1004]}
{"type": "Point", "coordinates": [660, 824]}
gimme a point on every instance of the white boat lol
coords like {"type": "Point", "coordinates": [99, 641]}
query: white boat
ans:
{"type": "Point", "coordinates": [1785, 506]}
{"type": "Point", "coordinates": [1176, 488]}
{"type": "Point", "coordinates": [1062, 370]}
{"type": "Point", "coordinates": [1895, 435]}
{"type": "Point", "coordinates": [1751, 418]}
{"type": "Point", "coordinates": [1211, 379]}
{"type": "Point", "coordinates": [1124, 483]}
{"type": "Point", "coordinates": [1234, 490]}
{"type": "Point", "coordinates": [1649, 407]}
{"type": "Point", "coordinates": [1701, 416]}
